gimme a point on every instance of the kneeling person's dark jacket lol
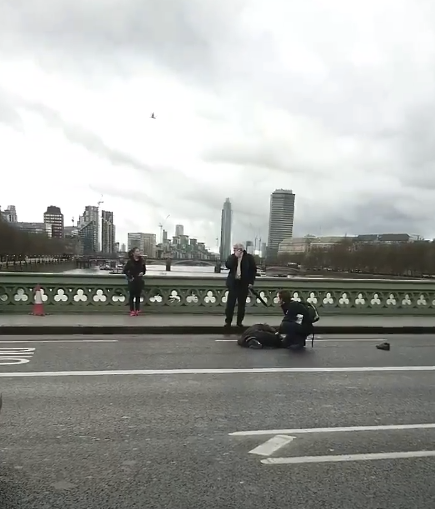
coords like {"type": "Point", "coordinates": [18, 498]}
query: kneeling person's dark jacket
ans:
{"type": "Point", "coordinates": [296, 324]}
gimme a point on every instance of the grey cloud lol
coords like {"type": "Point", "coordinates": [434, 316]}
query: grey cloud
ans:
{"type": "Point", "coordinates": [182, 34]}
{"type": "Point", "coordinates": [400, 214]}
{"type": "Point", "coordinates": [415, 143]}
{"type": "Point", "coordinates": [257, 154]}
{"type": "Point", "coordinates": [9, 115]}
{"type": "Point", "coordinates": [85, 138]}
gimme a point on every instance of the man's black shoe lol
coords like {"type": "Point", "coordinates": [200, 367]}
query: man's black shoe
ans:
{"type": "Point", "coordinates": [383, 346]}
{"type": "Point", "coordinates": [227, 325]}
{"type": "Point", "coordinates": [240, 325]}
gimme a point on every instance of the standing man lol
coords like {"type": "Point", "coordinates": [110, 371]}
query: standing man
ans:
{"type": "Point", "coordinates": [241, 277]}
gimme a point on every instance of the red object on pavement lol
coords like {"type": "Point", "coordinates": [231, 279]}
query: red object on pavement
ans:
{"type": "Point", "coordinates": [38, 305]}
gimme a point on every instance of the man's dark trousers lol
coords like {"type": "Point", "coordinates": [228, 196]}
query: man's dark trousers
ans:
{"type": "Point", "coordinates": [237, 292]}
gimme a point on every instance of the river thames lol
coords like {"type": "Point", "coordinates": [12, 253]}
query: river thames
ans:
{"type": "Point", "coordinates": [158, 270]}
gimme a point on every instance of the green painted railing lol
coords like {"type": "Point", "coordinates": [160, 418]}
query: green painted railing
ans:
{"type": "Point", "coordinates": [108, 294]}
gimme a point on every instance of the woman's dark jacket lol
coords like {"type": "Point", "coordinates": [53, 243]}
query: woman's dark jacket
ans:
{"type": "Point", "coordinates": [133, 268]}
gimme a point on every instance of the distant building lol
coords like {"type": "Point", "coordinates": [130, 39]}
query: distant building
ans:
{"type": "Point", "coordinates": [107, 232]}
{"type": "Point", "coordinates": [281, 218]}
{"type": "Point", "coordinates": [179, 230]}
{"type": "Point", "coordinates": [184, 240]}
{"type": "Point", "coordinates": [298, 245]}
{"type": "Point", "coordinates": [145, 242]}
{"type": "Point", "coordinates": [249, 246]}
{"type": "Point", "coordinates": [226, 225]}
{"type": "Point", "coordinates": [54, 217]}
{"type": "Point", "coordinates": [42, 228]}
{"type": "Point", "coordinates": [150, 242]}
{"type": "Point", "coordinates": [387, 238]}
{"type": "Point", "coordinates": [10, 214]}
{"type": "Point", "coordinates": [88, 238]}
{"type": "Point", "coordinates": [123, 248]}
{"type": "Point", "coordinates": [91, 214]}
{"type": "Point", "coordinates": [71, 232]}
{"type": "Point", "coordinates": [263, 250]}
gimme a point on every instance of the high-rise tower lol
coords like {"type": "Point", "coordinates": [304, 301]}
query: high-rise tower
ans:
{"type": "Point", "coordinates": [282, 211]}
{"type": "Point", "coordinates": [226, 222]}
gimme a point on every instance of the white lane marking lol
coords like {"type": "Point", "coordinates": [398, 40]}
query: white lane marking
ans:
{"type": "Point", "coordinates": [318, 339]}
{"type": "Point", "coordinates": [36, 374]}
{"type": "Point", "coordinates": [348, 457]}
{"type": "Point", "coordinates": [272, 445]}
{"type": "Point", "coordinates": [59, 341]}
{"type": "Point", "coordinates": [296, 431]}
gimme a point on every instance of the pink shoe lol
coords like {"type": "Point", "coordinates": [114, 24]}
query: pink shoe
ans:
{"type": "Point", "coordinates": [132, 313]}
{"type": "Point", "coordinates": [136, 313]}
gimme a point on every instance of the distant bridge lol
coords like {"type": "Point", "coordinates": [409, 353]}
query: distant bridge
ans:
{"type": "Point", "coordinates": [181, 261]}
{"type": "Point", "coordinates": [112, 259]}
{"type": "Point", "coordinates": [100, 257]}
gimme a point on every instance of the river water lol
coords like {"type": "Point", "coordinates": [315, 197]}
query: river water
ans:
{"type": "Point", "coordinates": [158, 270]}
{"type": "Point", "coordinates": [207, 272]}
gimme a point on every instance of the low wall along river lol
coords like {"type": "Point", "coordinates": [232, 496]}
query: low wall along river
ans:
{"type": "Point", "coordinates": [204, 293]}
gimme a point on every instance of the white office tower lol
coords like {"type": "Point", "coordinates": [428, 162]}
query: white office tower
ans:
{"type": "Point", "coordinates": [281, 217]}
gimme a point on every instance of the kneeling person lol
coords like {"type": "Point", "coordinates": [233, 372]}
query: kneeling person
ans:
{"type": "Point", "coordinates": [297, 323]}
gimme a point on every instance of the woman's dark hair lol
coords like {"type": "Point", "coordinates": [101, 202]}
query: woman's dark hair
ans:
{"type": "Point", "coordinates": [131, 252]}
{"type": "Point", "coordinates": [285, 296]}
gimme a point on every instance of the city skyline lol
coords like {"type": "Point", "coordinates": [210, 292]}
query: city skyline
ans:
{"type": "Point", "coordinates": [180, 245]}
{"type": "Point", "coordinates": [95, 227]}
{"type": "Point", "coordinates": [122, 234]}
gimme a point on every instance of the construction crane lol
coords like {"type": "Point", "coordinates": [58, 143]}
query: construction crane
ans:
{"type": "Point", "coordinates": [161, 228]}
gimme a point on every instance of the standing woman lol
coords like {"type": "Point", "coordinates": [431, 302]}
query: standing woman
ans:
{"type": "Point", "coordinates": [135, 269]}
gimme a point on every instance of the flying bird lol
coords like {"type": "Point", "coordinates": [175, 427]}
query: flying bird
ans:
{"type": "Point", "coordinates": [152, 116]}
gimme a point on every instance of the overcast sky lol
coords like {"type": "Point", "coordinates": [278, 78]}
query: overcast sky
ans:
{"type": "Point", "coordinates": [335, 100]}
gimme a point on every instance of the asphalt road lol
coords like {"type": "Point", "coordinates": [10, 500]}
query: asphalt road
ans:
{"type": "Point", "coordinates": [164, 438]}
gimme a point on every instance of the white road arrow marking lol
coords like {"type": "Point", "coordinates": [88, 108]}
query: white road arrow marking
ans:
{"type": "Point", "coordinates": [349, 457]}
{"type": "Point", "coordinates": [272, 445]}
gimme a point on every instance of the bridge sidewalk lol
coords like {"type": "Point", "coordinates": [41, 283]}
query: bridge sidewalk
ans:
{"type": "Point", "coordinates": [200, 324]}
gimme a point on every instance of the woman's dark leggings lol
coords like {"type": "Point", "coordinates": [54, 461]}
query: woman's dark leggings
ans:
{"type": "Point", "coordinates": [135, 290]}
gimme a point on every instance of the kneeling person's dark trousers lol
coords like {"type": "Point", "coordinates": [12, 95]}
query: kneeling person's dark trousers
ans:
{"type": "Point", "coordinates": [238, 292]}
{"type": "Point", "coordinates": [295, 334]}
